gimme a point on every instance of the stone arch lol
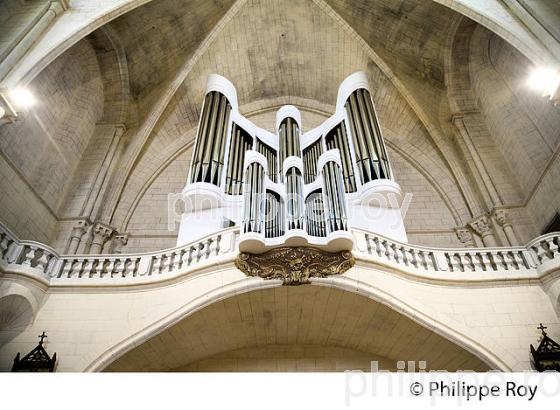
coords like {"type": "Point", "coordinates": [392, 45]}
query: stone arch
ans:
{"type": "Point", "coordinates": [446, 331]}
{"type": "Point", "coordinates": [16, 313]}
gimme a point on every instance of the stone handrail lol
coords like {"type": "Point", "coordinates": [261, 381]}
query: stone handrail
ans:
{"type": "Point", "coordinates": [539, 256]}
{"type": "Point", "coordinates": [42, 262]}
{"type": "Point", "coordinates": [34, 259]}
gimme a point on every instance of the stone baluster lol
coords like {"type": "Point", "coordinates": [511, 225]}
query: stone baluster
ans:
{"type": "Point", "coordinates": [503, 220]}
{"type": "Point", "coordinates": [130, 267]}
{"type": "Point", "coordinates": [106, 268]}
{"type": "Point", "coordinates": [43, 260]}
{"type": "Point", "coordinates": [28, 256]}
{"type": "Point", "coordinates": [5, 244]}
{"type": "Point", "coordinates": [481, 226]}
{"type": "Point", "coordinates": [101, 233]}
{"type": "Point", "coordinates": [67, 268]}
{"type": "Point", "coordinates": [477, 261]}
{"type": "Point", "coordinates": [79, 229]}
{"type": "Point", "coordinates": [118, 268]}
{"type": "Point", "coordinates": [156, 264]}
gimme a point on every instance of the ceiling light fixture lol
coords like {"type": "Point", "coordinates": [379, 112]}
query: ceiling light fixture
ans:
{"type": "Point", "coordinates": [545, 80]}
{"type": "Point", "coordinates": [22, 97]}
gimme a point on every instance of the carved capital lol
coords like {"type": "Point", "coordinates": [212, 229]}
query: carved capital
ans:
{"type": "Point", "coordinates": [465, 236]}
{"type": "Point", "coordinates": [101, 233]}
{"type": "Point", "coordinates": [120, 242]}
{"type": "Point", "coordinates": [80, 228]}
{"type": "Point", "coordinates": [481, 225]}
{"type": "Point", "coordinates": [501, 217]}
{"type": "Point", "coordinates": [294, 266]}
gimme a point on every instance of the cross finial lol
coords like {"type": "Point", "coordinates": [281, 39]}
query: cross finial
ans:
{"type": "Point", "coordinates": [42, 337]}
{"type": "Point", "coordinates": [542, 329]}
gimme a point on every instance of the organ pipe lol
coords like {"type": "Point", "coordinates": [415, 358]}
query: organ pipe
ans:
{"type": "Point", "coordinates": [295, 205]}
{"type": "Point", "coordinates": [211, 139]}
{"type": "Point", "coordinates": [334, 195]}
{"type": "Point", "coordinates": [371, 154]}
{"type": "Point", "coordinates": [274, 215]}
{"type": "Point", "coordinates": [289, 139]}
{"type": "Point", "coordinates": [241, 142]}
{"type": "Point", "coordinates": [270, 156]}
{"type": "Point", "coordinates": [315, 214]}
{"type": "Point", "coordinates": [310, 157]}
{"type": "Point", "coordinates": [337, 138]}
{"type": "Point", "coordinates": [253, 191]}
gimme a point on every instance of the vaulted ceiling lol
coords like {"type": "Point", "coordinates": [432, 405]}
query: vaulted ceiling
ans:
{"type": "Point", "coordinates": [270, 49]}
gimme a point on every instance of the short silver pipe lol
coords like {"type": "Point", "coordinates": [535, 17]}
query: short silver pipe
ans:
{"type": "Point", "coordinates": [334, 193]}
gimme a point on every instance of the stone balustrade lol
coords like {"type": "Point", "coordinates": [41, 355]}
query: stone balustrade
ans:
{"type": "Point", "coordinates": [36, 260]}
{"type": "Point", "coordinates": [539, 256]}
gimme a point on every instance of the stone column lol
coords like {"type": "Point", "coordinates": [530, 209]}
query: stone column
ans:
{"type": "Point", "coordinates": [465, 237]}
{"type": "Point", "coordinates": [120, 242]}
{"type": "Point", "coordinates": [76, 236]}
{"type": "Point", "coordinates": [485, 185]}
{"type": "Point", "coordinates": [101, 233]}
{"type": "Point", "coordinates": [503, 220]}
{"type": "Point", "coordinates": [482, 226]}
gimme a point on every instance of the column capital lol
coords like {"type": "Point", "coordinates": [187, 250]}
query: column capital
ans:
{"type": "Point", "coordinates": [465, 236]}
{"type": "Point", "coordinates": [102, 231]}
{"type": "Point", "coordinates": [481, 225]}
{"type": "Point", "coordinates": [501, 216]}
{"type": "Point", "coordinates": [119, 241]}
{"type": "Point", "coordinates": [80, 227]}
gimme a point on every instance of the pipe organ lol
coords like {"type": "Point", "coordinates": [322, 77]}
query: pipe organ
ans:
{"type": "Point", "coordinates": [289, 187]}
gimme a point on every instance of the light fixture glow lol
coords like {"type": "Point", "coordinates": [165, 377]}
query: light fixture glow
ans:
{"type": "Point", "coordinates": [545, 80]}
{"type": "Point", "coordinates": [22, 97]}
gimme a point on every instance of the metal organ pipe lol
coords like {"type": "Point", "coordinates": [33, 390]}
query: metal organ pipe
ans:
{"type": "Point", "coordinates": [337, 138]}
{"type": "Point", "coordinates": [366, 136]}
{"type": "Point", "coordinates": [334, 196]}
{"type": "Point", "coordinates": [253, 198]}
{"type": "Point", "coordinates": [211, 139]}
{"type": "Point", "coordinates": [315, 214]}
{"type": "Point", "coordinates": [270, 156]}
{"type": "Point", "coordinates": [241, 142]}
{"type": "Point", "coordinates": [294, 189]}
{"type": "Point", "coordinates": [310, 157]}
{"type": "Point", "coordinates": [289, 139]}
{"type": "Point", "coordinates": [274, 215]}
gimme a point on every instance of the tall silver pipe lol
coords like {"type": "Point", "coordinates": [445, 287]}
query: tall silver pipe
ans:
{"type": "Point", "coordinates": [217, 148]}
{"type": "Point", "coordinates": [201, 137]}
{"type": "Point", "coordinates": [210, 139]}
{"type": "Point", "coordinates": [232, 160]}
{"type": "Point", "coordinates": [379, 142]}
{"type": "Point", "coordinates": [369, 134]}
{"type": "Point", "coordinates": [364, 157]}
